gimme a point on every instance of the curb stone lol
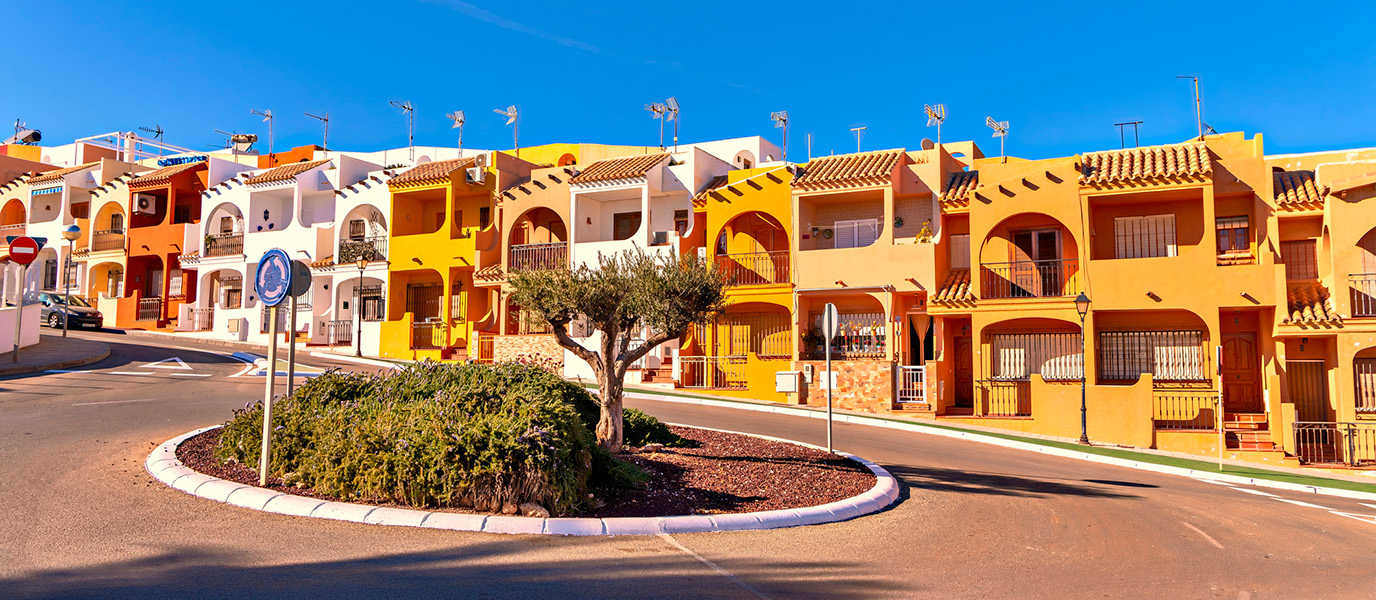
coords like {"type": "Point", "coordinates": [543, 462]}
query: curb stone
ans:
{"type": "Point", "coordinates": [163, 465]}
{"type": "Point", "coordinates": [66, 364]}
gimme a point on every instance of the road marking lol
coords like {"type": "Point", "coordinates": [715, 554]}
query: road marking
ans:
{"type": "Point", "coordinates": [160, 364]}
{"type": "Point", "coordinates": [1304, 504]}
{"type": "Point", "coordinates": [1256, 492]}
{"type": "Point", "coordinates": [191, 374]}
{"type": "Point", "coordinates": [1358, 516]}
{"type": "Point", "coordinates": [1211, 481]}
{"type": "Point", "coordinates": [128, 373]}
{"type": "Point", "coordinates": [724, 573]}
{"type": "Point", "coordinates": [110, 402]}
{"type": "Point", "coordinates": [65, 371]}
{"type": "Point", "coordinates": [1206, 536]}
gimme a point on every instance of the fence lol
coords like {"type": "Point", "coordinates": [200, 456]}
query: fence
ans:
{"type": "Point", "coordinates": [429, 335]}
{"type": "Point", "coordinates": [150, 309]}
{"type": "Point", "coordinates": [110, 239]}
{"type": "Point", "coordinates": [203, 318]}
{"type": "Point", "coordinates": [712, 372]}
{"type": "Point", "coordinates": [486, 348]}
{"type": "Point", "coordinates": [536, 257]}
{"type": "Point", "coordinates": [862, 336]}
{"type": "Point", "coordinates": [369, 248]}
{"type": "Point", "coordinates": [912, 384]}
{"type": "Point", "coordinates": [755, 268]}
{"type": "Point", "coordinates": [1352, 444]}
{"type": "Point", "coordinates": [282, 316]}
{"type": "Point", "coordinates": [339, 332]}
{"type": "Point", "coordinates": [1167, 355]}
{"type": "Point", "coordinates": [224, 244]}
{"type": "Point", "coordinates": [1029, 279]}
{"type": "Point", "coordinates": [1363, 294]}
{"type": "Point", "coordinates": [1181, 409]}
{"type": "Point", "coordinates": [1003, 398]}
{"type": "Point", "coordinates": [768, 335]}
{"type": "Point", "coordinates": [1056, 356]}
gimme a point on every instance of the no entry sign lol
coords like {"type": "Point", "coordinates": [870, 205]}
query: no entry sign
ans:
{"type": "Point", "coordinates": [24, 249]}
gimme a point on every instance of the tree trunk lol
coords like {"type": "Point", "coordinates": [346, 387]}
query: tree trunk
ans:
{"type": "Point", "coordinates": [610, 422]}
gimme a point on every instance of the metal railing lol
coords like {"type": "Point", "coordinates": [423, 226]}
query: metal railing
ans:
{"type": "Point", "coordinates": [486, 348]}
{"type": "Point", "coordinates": [110, 239]}
{"type": "Point", "coordinates": [712, 372]}
{"type": "Point", "coordinates": [371, 248]}
{"type": "Point", "coordinates": [1030, 279]}
{"type": "Point", "coordinates": [1182, 409]}
{"type": "Point", "coordinates": [149, 309]}
{"type": "Point", "coordinates": [1352, 444]}
{"type": "Point", "coordinates": [224, 244]}
{"type": "Point", "coordinates": [283, 314]}
{"type": "Point", "coordinates": [912, 384]}
{"type": "Point", "coordinates": [429, 335]}
{"type": "Point", "coordinates": [1363, 294]}
{"type": "Point", "coordinates": [339, 332]}
{"type": "Point", "coordinates": [999, 398]}
{"type": "Point", "coordinates": [755, 268]}
{"type": "Point", "coordinates": [535, 257]}
{"type": "Point", "coordinates": [203, 319]}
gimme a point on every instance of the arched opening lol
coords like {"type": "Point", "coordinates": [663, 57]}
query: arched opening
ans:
{"type": "Point", "coordinates": [224, 231]}
{"type": "Point", "coordinates": [567, 160]}
{"type": "Point", "coordinates": [108, 228]}
{"type": "Point", "coordinates": [744, 159]}
{"type": "Point", "coordinates": [362, 235]}
{"type": "Point", "coordinates": [752, 248]}
{"type": "Point", "coordinates": [538, 240]}
{"type": "Point", "coordinates": [1029, 255]}
{"type": "Point", "coordinates": [1363, 284]}
{"type": "Point", "coordinates": [13, 218]}
{"type": "Point", "coordinates": [105, 280]}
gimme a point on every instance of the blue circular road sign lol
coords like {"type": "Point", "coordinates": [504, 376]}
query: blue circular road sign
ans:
{"type": "Point", "coordinates": [273, 281]}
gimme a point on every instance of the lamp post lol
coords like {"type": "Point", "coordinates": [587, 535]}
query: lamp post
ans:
{"type": "Point", "coordinates": [1082, 307]}
{"type": "Point", "coordinates": [358, 306]}
{"type": "Point", "coordinates": [71, 233]}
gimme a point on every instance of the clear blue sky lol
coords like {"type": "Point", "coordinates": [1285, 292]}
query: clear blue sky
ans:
{"type": "Point", "coordinates": [1062, 73]}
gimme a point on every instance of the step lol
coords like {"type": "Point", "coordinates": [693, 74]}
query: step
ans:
{"type": "Point", "coordinates": [1245, 417]}
{"type": "Point", "coordinates": [1264, 446]}
{"type": "Point", "coordinates": [1253, 436]}
{"type": "Point", "coordinates": [1243, 425]}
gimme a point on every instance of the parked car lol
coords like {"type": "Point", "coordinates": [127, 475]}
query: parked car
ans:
{"type": "Point", "coordinates": [55, 310]}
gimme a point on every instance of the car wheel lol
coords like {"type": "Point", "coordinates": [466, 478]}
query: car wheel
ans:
{"type": "Point", "coordinates": [53, 321]}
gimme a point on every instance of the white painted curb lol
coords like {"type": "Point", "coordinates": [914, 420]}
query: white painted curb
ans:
{"type": "Point", "coordinates": [163, 465]}
{"type": "Point", "coordinates": [996, 441]}
{"type": "Point", "coordinates": [354, 359]}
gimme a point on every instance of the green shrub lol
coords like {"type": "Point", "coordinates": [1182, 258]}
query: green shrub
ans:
{"type": "Point", "coordinates": [641, 429]}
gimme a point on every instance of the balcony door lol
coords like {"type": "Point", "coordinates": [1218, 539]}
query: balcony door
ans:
{"type": "Point", "coordinates": [1036, 270]}
{"type": "Point", "coordinates": [1309, 390]}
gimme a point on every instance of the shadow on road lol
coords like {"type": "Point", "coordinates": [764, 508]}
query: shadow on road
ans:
{"type": "Point", "coordinates": [971, 482]}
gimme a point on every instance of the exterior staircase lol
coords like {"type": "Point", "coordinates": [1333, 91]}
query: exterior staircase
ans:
{"type": "Point", "coordinates": [1247, 431]}
{"type": "Point", "coordinates": [661, 376]}
{"type": "Point", "coordinates": [454, 354]}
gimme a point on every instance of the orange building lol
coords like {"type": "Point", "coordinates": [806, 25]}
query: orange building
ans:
{"type": "Point", "coordinates": [164, 208]}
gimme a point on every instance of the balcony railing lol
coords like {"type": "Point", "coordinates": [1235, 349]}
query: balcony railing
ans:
{"type": "Point", "coordinates": [712, 372]}
{"type": "Point", "coordinates": [1000, 398]}
{"type": "Point", "coordinates": [1030, 279]}
{"type": "Point", "coordinates": [283, 312]}
{"type": "Point", "coordinates": [149, 309]}
{"type": "Point", "coordinates": [1183, 409]}
{"type": "Point", "coordinates": [912, 384]}
{"type": "Point", "coordinates": [203, 318]}
{"type": "Point", "coordinates": [1363, 294]}
{"type": "Point", "coordinates": [371, 248]}
{"type": "Point", "coordinates": [536, 257]}
{"type": "Point", "coordinates": [109, 239]}
{"type": "Point", "coordinates": [339, 332]}
{"type": "Point", "coordinates": [224, 244]}
{"type": "Point", "coordinates": [1352, 444]}
{"type": "Point", "coordinates": [429, 335]}
{"type": "Point", "coordinates": [755, 268]}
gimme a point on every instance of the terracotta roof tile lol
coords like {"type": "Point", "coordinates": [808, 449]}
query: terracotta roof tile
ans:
{"type": "Point", "coordinates": [284, 173]}
{"type": "Point", "coordinates": [1179, 161]}
{"type": "Point", "coordinates": [163, 175]}
{"type": "Point", "coordinates": [619, 168]}
{"type": "Point", "coordinates": [57, 175]}
{"type": "Point", "coordinates": [489, 273]}
{"type": "Point", "coordinates": [865, 168]}
{"type": "Point", "coordinates": [323, 264]}
{"type": "Point", "coordinates": [1309, 303]}
{"type": "Point", "coordinates": [716, 183]}
{"type": "Point", "coordinates": [437, 171]}
{"type": "Point", "coordinates": [959, 188]}
{"type": "Point", "coordinates": [956, 288]}
{"type": "Point", "coordinates": [1296, 189]}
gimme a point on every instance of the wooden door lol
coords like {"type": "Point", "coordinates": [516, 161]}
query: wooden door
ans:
{"type": "Point", "coordinates": [1241, 373]}
{"type": "Point", "coordinates": [624, 225]}
{"type": "Point", "coordinates": [965, 372]}
{"type": "Point", "coordinates": [1309, 390]}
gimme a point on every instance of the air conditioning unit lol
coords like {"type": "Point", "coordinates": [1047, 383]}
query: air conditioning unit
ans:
{"type": "Point", "coordinates": [144, 204]}
{"type": "Point", "coordinates": [659, 238]}
{"type": "Point", "coordinates": [476, 175]}
{"type": "Point", "coordinates": [480, 161]}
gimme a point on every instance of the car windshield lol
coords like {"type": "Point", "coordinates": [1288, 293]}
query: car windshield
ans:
{"type": "Point", "coordinates": [76, 301]}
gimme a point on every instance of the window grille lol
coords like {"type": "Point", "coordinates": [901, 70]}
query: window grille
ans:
{"type": "Point", "coordinates": [1144, 237]}
{"type": "Point", "coordinates": [374, 304]}
{"type": "Point", "coordinates": [960, 251]}
{"type": "Point", "coordinates": [1301, 260]}
{"type": "Point", "coordinates": [1167, 355]}
{"type": "Point", "coordinates": [856, 233]}
{"type": "Point", "coordinates": [764, 334]}
{"type": "Point", "coordinates": [1054, 356]}
{"type": "Point", "coordinates": [357, 229]}
{"type": "Point", "coordinates": [1365, 375]}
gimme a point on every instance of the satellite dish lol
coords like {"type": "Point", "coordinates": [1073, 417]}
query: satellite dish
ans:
{"type": "Point", "coordinates": [423, 159]}
{"type": "Point", "coordinates": [928, 144]}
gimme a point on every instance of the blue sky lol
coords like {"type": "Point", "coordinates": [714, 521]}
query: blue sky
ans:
{"type": "Point", "coordinates": [1061, 73]}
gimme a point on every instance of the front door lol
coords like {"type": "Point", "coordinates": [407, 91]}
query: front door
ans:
{"type": "Point", "coordinates": [965, 373]}
{"type": "Point", "coordinates": [1241, 373]}
{"type": "Point", "coordinates": [1309, 390]}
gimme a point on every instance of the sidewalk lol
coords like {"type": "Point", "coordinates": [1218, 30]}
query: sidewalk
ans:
{"type": "Point", "coordinates": [54, 352]}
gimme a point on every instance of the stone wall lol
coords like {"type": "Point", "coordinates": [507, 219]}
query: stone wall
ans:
{"type": "Point", "coordinates": [543, 349]}
{"type": "Point", "coordinates": [864, 385]}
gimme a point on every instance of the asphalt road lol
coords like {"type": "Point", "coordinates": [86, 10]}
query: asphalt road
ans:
{"type": "Point", "coordinates": [81, 518]}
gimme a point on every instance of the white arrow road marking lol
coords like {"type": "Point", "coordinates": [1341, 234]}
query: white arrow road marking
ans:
{"type": "Point", "coordinates": [1360, 517]}
{"type": "Point", "coordinates": [110, 402]}
{"type": "Point", "coordinates": [128, 373]}
{"type": "Point", "coordinates": [160, 364]}
{"type": "Point", "coordinates": [1206, 536]}
{"type": "Point", "coordinates": [191, 374]}
{"type": "Point", "coordinates": [1304, 504]}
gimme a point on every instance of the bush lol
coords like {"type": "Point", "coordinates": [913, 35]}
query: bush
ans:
{"type": "Point", "coordinates": [435, 435]}
{"type": "Point", "coordinates": [641, 429]}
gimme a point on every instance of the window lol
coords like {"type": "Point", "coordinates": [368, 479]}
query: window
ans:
{"type": "Point", "coordinates": [117, 222]}
{"type": "Point", "coordinates": [1054, 356]}
{"type": "Point", "coordinates": [423, 300]}
{"type": "Point", "coordinates": [49, 274]}
{"type": "Point", "coordinates": [1233, 238]}
{"type": "Point", "coordinates": [856, 233]}
{"type": "Point", "coordinates": [358, 228]}
{"type": "Point", "coordinates": [721, 243]}
{"type": "Point", "coordinates": [81, 210]}
{"type": "Point", "coordinates": [181, 214]}
{"type": "Point", "coordinates": [174, 285]}
{"type": "Point", "coordinates": [1300, 258]}
{"type": "Point", "coordinates": [681, 222]}
{"type": "Point", "coordinates": [234, 295]}
{"type": "Point", "coordinates": [370, 296]}
{"type": "Point", "coordinates": [1036, 245]}
{"type": "Point", "coordinates": [960, 251]}
{"type": "Point", "coordinates": [1365, 380]}
{"type": "Point", "coordinates": [226, 225]}
{"type": "Point", "coordinates": [624, 225]}
{"type": "Point", "coordinates": [1167, 355]}
{"type": "Point", "coordinates": [1144, 237]}
{"type": "Point", "coordinates": [69, 275]}
{"type": "Point", "coordinates": [114, 283]}
{"type": "Point", "coordinates": [457, 298]}
{"type": "Point", "coordinates": [484, 217]}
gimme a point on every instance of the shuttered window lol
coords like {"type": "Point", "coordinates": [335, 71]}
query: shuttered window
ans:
{"type": "Point", "coordinates": [1301, 261]}
{"type": "Point", "coordinates": [1365, 379]}
{"type": "Point", "coordinates": [856, 233]}
{"type": "Point", "coordinates": [960, 251]}
{"type": "Point", "coordinates": [1167, 355]}
{"type": "Point", "coordinates": [1144, 237]}
{"type": "Point", "coordinates": [1054, 356]}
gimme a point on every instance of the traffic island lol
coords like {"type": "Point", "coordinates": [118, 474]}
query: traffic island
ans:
{"type": "Point", "coordinates": [54, 352]}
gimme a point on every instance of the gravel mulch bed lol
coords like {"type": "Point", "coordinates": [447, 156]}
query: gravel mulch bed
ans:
{"type": "Point", "coordinates": [721, 473]}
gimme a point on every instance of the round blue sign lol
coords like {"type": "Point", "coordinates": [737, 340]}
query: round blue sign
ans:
{"type": "Point", "coordinates": [274, 277]}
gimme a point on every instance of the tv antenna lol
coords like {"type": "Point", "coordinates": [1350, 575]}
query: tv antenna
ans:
{"type": "Point", "coordinates": [1122, 140]}
{"type": "Point", "coordinates": [780, 119]}
{"type": "Point", "coordinates": [157, 132]}
{"type": "Point", "coordinates": [238, 143]}
{"type": "Point", "coordinates": [267, 116]}
{"type": "Point", "coordinates": [936, 115]}
{"type": "Point", "coordinates": [1000, 131]}
{"type": "Point", "coordinates": [458, 118]}
{"type": "Point", "coordinates": [513, 118]}
{"type": "Point", "coordinates": [1198, 104]}
{"type": "Point", "coordinates": [859, 135]}
{"type": "Point", "coordinates": [808, 137]}
{"type": "Point", "coordinates": [410, 112]}
{"type": "Point", "coordinates": [325, 120]}
{"type": "Point", "coordinates": [657, 111]}
{"type": "Point", "coordinates": [672, 104]}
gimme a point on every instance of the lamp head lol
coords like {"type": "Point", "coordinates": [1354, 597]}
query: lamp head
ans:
{"type": "Point", "coordinates": [362, 263]}
{"type": "Point", "coordinates": [1082, 304]}
{"type": "Point", "coordinates": [71, 233]}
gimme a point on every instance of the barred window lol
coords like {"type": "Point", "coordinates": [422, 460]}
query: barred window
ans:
{"type": "Point", "coordinates": [768, 335]}
{"type": "Point", "coordinates": [1054, 356]}
{"type": "Point", "coordinates": [1167, 355]}
{"type": "Point", "coordinates": [1301, 260]}
{"type": "Point", "coordinates": [960, 251]}
{"type": "Point", "coordinates": [1365, 375]}
{"type": "Point", "coordinates": [1144, 237]}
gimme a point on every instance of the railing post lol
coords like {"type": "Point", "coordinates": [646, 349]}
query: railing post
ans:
{"type": "Point", "coordinates": [1351, 450]}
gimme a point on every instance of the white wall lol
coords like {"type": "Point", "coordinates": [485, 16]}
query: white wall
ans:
{"type": "Point", "coordinates": [29, 332]}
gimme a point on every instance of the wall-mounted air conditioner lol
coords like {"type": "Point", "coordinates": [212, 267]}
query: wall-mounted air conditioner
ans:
{"type": "Point", "coordinates": [475, 175]}
{"type": "Point", "coordinates": [144, 204]}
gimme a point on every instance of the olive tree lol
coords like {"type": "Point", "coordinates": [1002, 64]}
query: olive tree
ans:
{"type": "Point", "coordinates": [625, 295]}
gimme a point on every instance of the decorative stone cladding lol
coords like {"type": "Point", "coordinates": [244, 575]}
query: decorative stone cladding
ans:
{"type": "Point", "coordinates": [542, 349]}
{"type": "Point", "coordinates": [864, 385]}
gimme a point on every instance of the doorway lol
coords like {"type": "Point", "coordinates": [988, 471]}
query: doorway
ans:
{"type": "Point", "coordinates": [1309, 390]}
{"type": "Point", "coordinates": [1241, 373]}
{"type": "Point", "coordinates": [965, 372]}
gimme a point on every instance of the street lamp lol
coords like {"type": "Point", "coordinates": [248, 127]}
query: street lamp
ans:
{"type": "Point", "coordinates": [1082, 307]}
{"type": "Point", "coordinates": [358, 306]}
{"type": "Point", "coordinates": [71, 233]}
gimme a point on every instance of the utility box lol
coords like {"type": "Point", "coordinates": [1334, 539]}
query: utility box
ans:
{"type": "Point", "coordinates": [788, 382]}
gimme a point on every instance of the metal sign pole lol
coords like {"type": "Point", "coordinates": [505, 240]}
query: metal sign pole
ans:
{"type": "Point", "coordinates": [831, 324]}
{"type": "Point", "coordinates": [831, 381]}
{"type": "Point", "coordinates": [267, 399]}
{"type": "Point", "coordinates": [19, 317]}
{"type": "Point", "coordinates": [291, 349]}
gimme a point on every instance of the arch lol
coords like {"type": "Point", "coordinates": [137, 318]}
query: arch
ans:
{"type": "Point", "coordinates": [538, 225]}
{"type": "Point", "coordinates": [110, 217]}
{"type": "Point", "coordinates": [566, 160]}
{"type": "Point", "coordinates": [753, 249]}
{"type": "Point", "coordinates": [744, 159]}
{"type": "Point", "coordinates": [1028, 255]}
{"type": "Point", "coordinates": [105, 280]}
{"type": "Point", "coordinates": [225, 289]}
{"type": "Point", "coordinates": [14, 213]}
{"type": "Point", "coordinates": [362, 234]}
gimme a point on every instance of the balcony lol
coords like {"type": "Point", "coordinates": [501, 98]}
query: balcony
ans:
{"type": "Point", "coordinates": [371, 248]}
{"type": "Point", "coordinates": [538, 257]}
{"type": "Point", "coordinates": [755, 268]}
{"type": "Point", "coordinates": [109, 239]}
{"type": "Point", "coordinates": [1029, 279]}
{"type": "Point", "coordinates": [224, 244]}
{"type": "Point", "coordinates": [1363, 294]}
